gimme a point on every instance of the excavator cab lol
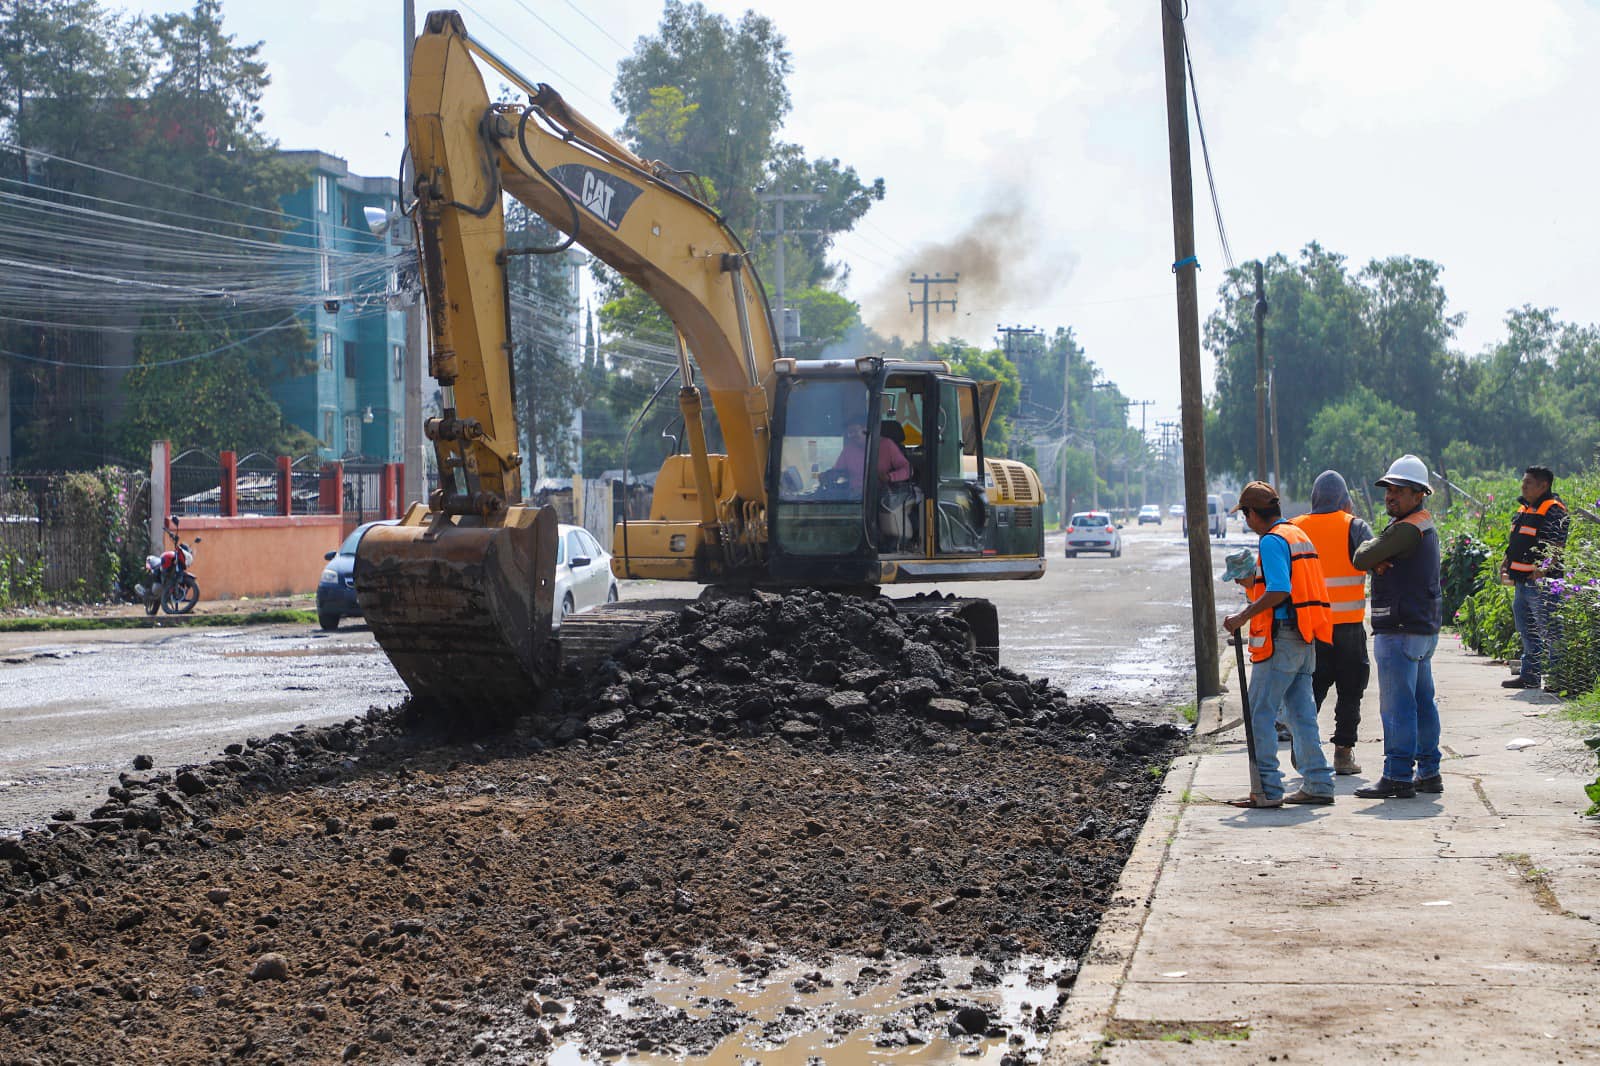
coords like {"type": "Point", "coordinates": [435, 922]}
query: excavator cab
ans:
{"type": "Point", "coordinates": [878, 475]}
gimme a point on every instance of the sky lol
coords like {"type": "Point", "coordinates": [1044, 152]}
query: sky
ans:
{"type": "Point", "coordinates": [1457, 131]}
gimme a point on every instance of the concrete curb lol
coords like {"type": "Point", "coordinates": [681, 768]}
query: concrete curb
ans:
{"type": "Point", "coordinates": [1080, 1030]}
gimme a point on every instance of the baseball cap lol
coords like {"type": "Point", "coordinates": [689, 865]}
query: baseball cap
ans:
{"type": "Point", "coordinates": [1255, 494]}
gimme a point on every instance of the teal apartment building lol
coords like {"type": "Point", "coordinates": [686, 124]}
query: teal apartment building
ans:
{"type": "Point", "coordinates": [354, 400]}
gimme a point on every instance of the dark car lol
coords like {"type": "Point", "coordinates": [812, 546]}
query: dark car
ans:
{"type": "Point", "coordinates": [336, 591]}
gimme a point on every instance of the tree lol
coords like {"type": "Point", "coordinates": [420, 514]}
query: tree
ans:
{"type": "Point", "coordinates": [727, 101]}
{"type": "Point", "coordinates": [212, 402]}
{"type": "Point", "coordinates": [544, 357]}
{"type": "Point", "coordinates": [1360, 435]}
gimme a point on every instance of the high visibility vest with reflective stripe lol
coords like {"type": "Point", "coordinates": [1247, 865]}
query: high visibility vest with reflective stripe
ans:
{"type": "Point", "coordinates": [1347, 586]}
{"type": "Point", "coordinates": [1308, 594]}
{"type": "Point", "coordinates": [1526, 526]}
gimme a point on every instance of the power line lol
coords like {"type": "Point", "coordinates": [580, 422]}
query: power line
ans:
{"type": "Point", "coordinates": [164, 362]}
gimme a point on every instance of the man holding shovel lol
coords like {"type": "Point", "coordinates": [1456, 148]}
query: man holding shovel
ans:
{"type": "Point", "coordinates": [1287, 616]}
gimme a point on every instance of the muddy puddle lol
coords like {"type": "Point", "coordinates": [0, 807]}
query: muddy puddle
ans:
{"type": "Point", "coordinates": [854, 1010]}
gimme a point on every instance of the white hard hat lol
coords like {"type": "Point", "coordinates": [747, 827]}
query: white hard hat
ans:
{"type": "Point", "coordinates": [1407, 471]}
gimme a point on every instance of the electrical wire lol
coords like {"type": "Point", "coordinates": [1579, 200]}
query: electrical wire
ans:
{"type": "Point", "coordinates": [230, 346]}
{"type": "Point", "coordinates": [1205, 150]}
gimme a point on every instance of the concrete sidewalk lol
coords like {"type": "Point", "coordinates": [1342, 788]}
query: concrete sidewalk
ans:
{"type": "Point", "coordinates": [1455, 928]}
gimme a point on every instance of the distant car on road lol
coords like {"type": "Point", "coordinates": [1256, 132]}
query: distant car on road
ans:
{"type": "Point", "coordinates": [1093, 531]}
{"type": "Point", "coordinates": [583, 573]}
{"type": "Point", "coordinates": [336, 590]}
{"type": "Point", "coordinates": [1150, 512]}
{"type": "Point", "coordinates": [1176, 510]}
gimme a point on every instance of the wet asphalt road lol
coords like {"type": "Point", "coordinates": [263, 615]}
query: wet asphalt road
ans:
{"type": "Point", "coordinates": [76, 707]}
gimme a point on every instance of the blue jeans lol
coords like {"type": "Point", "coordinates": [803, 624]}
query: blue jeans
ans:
{"type": "Point", "coordinates": [1280, 688]}
{"type": "Point", "coordinates": [1531, 610]}
{"type": "Point", "coordinates": [1406, 704]}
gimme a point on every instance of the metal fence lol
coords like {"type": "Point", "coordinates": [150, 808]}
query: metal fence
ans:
{"type": "Point", "coordinates": [55, 543]}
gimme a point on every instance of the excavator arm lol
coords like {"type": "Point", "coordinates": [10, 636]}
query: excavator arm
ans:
{"type": "Point", "coordinates": [466, 150]}
{"type": "Point", "coordinates": [459, 594]}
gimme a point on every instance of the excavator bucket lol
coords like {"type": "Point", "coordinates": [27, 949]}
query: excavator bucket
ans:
{"type": "Point", "coordinates": [464, 612]}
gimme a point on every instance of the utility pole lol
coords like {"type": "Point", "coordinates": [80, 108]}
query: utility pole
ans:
{"type": "Point", "coordinates": [1272, 400]}
{"type": "Point", "coordinates": [936, 303]}
{"type": "Point", "coordinates": [1144, 442]}
{"type": "Point", "coordinates": [778, 199]}
{"type": "Point", "coordinates": [1208, 681]}
{"type": "Point", "coordinates": [1066, 421]}
{"type": "Point", "coordinates": [1011, 333]}
{"type": "Point", "coordinates": [414, 453]}
{"type": "Point", "coordinates": [1261, 375]}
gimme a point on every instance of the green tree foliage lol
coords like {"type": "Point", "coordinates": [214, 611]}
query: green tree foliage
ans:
{"type": "Point", "coordinates": [213, 402]}
{"type": "Point", "coordinates": [176, 101]}
{"type": "Point", "coordinates": [1360, 435]}
{"type": "Point", "coordinates": [826, 319]}
{"type": "Point", "coordinates": [1381, 338]}
{"type": "Point", "coordinates": [544, 368]}
{"type": "Point", "coordinates": [731, 100]}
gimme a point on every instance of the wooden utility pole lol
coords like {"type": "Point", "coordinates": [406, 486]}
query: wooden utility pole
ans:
{"type": "Point", "coordinates": [1184, 267]}
{"type": "Point", "coordinates": [1261, 375]}
{"type": "Point", "coordinates": [936, 303]}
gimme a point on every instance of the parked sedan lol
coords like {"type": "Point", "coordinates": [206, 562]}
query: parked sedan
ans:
{"type": "Point", "coordinates": [583, 573]}
{"type": "Point", "coordinates": [1093, 531]}
{"type": "Point", "coordinates": [336, 591]}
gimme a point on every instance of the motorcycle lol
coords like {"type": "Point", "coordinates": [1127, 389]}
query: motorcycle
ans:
{"type": "Point", "coordinates": [168, 585]}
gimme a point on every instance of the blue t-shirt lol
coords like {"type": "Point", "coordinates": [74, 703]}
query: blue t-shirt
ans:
{"type": "Point", "coordinates": [1275, 569]}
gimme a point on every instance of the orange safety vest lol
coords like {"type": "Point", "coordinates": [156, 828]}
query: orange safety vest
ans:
{"type": "Point", "coordinates": [1347, 586]}
{"type": "Point", "coordinates": [1520, 528]}
{"type": "Point", "coordinates": [1308, 594]}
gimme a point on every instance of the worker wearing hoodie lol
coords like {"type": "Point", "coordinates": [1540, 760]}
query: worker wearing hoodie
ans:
{"type": "Point", "coordinates": [1342, 665]}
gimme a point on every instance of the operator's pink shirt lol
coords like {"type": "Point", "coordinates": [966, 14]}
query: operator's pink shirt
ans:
{"type": "Point", "coordinates": [893, 466]}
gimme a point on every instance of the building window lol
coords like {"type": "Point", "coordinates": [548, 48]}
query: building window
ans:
{"type": "Point", "coordinates": [399, 363]}
{"type": "Point", "coordinates": [324, 274]}
{"type": "Point", "coordinates": [327, 428]}
{"type": "Point", "coordinates": [324, 187]}
{"type": "Point", "coordinates": [352, 433]}
{"type": "Point", "coordinates": [351, 362]}
{"type": "Point", "coordinates": [327, 351]}
{"type": "Point", "coordinates": [397, 441]}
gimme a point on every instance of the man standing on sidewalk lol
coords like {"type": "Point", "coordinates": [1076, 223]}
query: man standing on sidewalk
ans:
{"type": "Point", "coordinates": [1343, 664]}
{"type": "Point", "coordinates": [1538, 532]}
{"type": "Point", "coordinates": [1288, 614]}
{"type": "Point", "coordinates": [1406, 611]}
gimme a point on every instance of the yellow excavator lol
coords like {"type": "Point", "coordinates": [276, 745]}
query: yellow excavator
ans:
{"type": "Point", "coordinates": [459, 594]}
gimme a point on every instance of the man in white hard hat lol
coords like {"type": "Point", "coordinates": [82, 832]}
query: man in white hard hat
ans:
{"type": "Point", "coordinates": [1407, 608]}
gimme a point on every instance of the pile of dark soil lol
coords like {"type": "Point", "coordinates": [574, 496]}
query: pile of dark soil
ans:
{"type": "Point", "coordinates": [800, 776]}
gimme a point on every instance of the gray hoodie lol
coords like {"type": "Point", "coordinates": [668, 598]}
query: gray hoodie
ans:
{"type": "Point", "coordinates": [1329, 493]}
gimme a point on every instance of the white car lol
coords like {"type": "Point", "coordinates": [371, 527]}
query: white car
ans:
{"type": "Point", "coordinates": [1150, 512]}
{"type": "Point", "coordinates": [583, 573]}
{"type": "Point", "coordinates": [1093, 531]}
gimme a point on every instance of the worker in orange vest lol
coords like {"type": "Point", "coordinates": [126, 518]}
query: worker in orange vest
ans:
{"type": "Point", "coordinates": [1287, 616]}
{"type": "Point", "coordinates": [1343, 664]}
{"type": "Point", "coordinates": [1533, 552]}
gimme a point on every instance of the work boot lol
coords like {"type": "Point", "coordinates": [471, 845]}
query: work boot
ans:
{"type": "Point", "coordinates": [1344, 760]}
{"type": "Point", "coordinates": [1434, 784]}
{"type": "Point", "coordinates": [1521, 682]}
{"type": "Point", "coordinates": [1387, 789]}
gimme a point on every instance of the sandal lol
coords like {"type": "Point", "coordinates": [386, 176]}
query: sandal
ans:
{"type": "Point", "coordinates": [1303, 796]}
{"type": "Point", "coordinates": [1255, 803]}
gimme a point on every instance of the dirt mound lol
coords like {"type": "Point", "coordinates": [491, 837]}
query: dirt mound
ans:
{"type": "Point", "coordinates": [816, 777]}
